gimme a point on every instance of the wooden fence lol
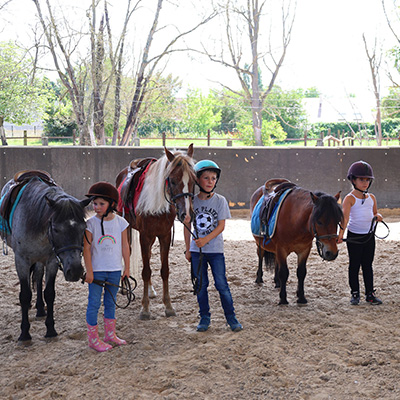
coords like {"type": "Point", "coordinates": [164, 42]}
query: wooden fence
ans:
{"type": "Point", "coordinates": [341, 139]}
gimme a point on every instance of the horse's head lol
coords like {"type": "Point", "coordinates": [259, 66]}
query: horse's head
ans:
{"type": "Point", "coordinates": [66, 229]}
{"type": "Point", "coordinates": [180, 181]}
{"type": "Point", "coordinates": [325, 218]}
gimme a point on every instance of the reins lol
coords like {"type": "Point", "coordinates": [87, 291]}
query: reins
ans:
{"type": "Point", "coordinates": [125, 289]}
{"type": "Point", "coordinates": [372, 232]}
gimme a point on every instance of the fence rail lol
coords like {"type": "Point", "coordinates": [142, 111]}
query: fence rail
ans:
{"type": "Point", "coordinates": [341, 139]}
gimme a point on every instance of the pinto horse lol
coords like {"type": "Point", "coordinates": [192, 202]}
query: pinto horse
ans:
{"type": "Point", "coordinates": [46, 233]}
{"type": "Point", "coordinates": [167, 192]}
{"type": "Point", "coordinates": [303, 216]}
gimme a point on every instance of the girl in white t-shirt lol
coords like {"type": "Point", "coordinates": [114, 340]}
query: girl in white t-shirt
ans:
{"type": "Point", "coordinates": [105, 246]}
{"type": "Point", "coordinates": [359, 209]}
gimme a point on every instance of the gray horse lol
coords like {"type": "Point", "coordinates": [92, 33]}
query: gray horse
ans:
{"type": "Point", "coordinates": [46, 233]}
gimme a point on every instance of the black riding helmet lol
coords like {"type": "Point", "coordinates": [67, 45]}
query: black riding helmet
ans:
{"type": "Point", "coordinates": [360, 169]}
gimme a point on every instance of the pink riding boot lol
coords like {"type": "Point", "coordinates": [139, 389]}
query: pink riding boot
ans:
{"type": "Point", "coordinates": [94, 341]}
{"type": "Point", "coordinates": [109, 332]}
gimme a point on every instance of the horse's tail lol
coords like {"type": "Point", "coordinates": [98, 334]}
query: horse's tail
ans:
{"type": "Point", "coordinates": [37, 273]}
{"type": "Point", "coordinates": [269, 259]}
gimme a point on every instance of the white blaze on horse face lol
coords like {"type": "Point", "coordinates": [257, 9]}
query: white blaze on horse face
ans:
{"type": "Point", "coordinates": [185, 181]}
{"type": "Point", "coordinates": [72, 223]}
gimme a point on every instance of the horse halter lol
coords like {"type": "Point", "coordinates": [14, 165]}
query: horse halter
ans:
{"type": "Point", "coordinates": [318, 239]}
{"type": "Point", "coordinates": [58, 251]}
{"type": "Point", "coordinates": [173, 197]}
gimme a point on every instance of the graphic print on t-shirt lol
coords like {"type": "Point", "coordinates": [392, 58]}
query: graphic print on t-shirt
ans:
{"type": "Point", "coordinates": [106, 243]}
{"type": "Point", "coordinates": [206, 221]}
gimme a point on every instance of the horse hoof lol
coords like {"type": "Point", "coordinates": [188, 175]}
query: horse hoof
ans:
{"type": "Point", "coordinates": [25, 343]}
{"type": "Point", "coordinates": [144, 316]}
{"type": "Point", "coordinates": [170, 313]}
{"type": "Point", "coordinates": [283, 303]}
{"type": "Point", "coordinates": [302, 302]}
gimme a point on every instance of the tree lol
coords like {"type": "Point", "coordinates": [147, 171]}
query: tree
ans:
{"type": "Point", "coordinates": [249, 62]}
{"type": "Point", "coordinates": [147, 67]}
{"type": "Point", "coordinates": [23, 95]}
{"type": "Point", "coordinates": [374, 60]}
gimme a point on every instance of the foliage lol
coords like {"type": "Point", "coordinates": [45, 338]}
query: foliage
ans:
{"type": "Point", "coordinates": [23, 95]}
{"type": "Point", "coordinates": [391, 104]}
{"type": "Point", "coordinates": [162, 108]}
{"type": "Point", "coordinates": [271, 131]}
{"type": "Point", "coordinates": [342, 127]}
{"type": "Point", "coordinates": [286, 107]}
{"type": "Point", "coordinates": [201, 113]}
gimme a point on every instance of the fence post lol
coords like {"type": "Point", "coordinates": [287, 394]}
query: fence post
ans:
{"type": "Point", "coordinates": [73, 137]}
{"type": "Point", "coordinates": [305, 139]}
{"type": "Point", "coordinates": [136, 141]}
{"type": "Point", "coordinates": [25, 138]}
{"type": "Point", "coordinates": [208, 138]}
{"type": "Point", "coordinates": [45, 140]}
{"type": "Point", "coordinates": [163, 139]}
{"type": "Point", "coordinates": [320, 141]}
{"type": "Point", "coordinates": [229, 142]}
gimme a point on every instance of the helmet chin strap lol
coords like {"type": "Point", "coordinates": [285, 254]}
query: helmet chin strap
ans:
{"type": "Point", "coordinates": [109, 209]}
{"type": "Point", "coordinates": [205, 191]}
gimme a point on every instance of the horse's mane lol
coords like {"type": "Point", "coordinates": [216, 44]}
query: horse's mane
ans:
{"type": "Point", "coordinates": [152, 199]}
{"type": "Point", "coordinates": [327, 206]}
{"type": "Point", "coordinates": [65, 206]}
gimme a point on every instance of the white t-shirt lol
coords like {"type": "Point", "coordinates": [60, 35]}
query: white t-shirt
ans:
{"type": "Point", "coordinates": [106, 250]}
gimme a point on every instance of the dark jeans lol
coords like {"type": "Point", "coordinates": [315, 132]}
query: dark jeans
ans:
{"type": "Point", "coordinates": [217, 263]}
{"type": "Point", "coordinates": [361, 249]}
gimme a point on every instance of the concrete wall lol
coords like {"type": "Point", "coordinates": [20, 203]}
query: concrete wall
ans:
{"type": "Point", "coordinates": [243, 169]}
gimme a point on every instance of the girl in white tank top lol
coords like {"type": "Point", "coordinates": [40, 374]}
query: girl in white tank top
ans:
{"type": "Point", "coordinates": [359, 208]}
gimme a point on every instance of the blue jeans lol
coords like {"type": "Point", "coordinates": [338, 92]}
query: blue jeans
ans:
{"type": "Point", "coordinates": [217, 263]}
{"type": "Point", "coordinates": [95, 292]}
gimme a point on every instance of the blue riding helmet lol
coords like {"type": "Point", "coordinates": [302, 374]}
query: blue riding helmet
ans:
{"type": "Point", "coordinates": [207, 165]}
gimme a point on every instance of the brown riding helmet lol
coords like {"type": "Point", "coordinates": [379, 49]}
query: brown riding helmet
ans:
{"type": "Point", "coordinates": [360, 169]}
{"type": "Point", "coordinates": [104, 190]}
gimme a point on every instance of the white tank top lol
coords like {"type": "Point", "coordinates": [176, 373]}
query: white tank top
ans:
{"type": "Point", "coordinates": [361, 215]}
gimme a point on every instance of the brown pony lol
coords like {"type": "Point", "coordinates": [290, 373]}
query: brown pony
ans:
{"type": "Point", "coordinates": [303, 216]}
{"type": "Point", "coordinates": [167, 192]}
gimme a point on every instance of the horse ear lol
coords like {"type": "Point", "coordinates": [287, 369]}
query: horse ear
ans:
{"type": "Point", "coordinates": [314, 198]}
{"type": "Point", "coordinates": [169, 155]}
{"type": "Point", "coordinates": [337, 196]}
{"type": "Point", "coordinates": [190, 150]}
{"type": "Point", "coordinates": [85, 202]}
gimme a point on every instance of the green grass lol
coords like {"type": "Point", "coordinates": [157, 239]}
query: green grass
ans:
{"type": "Point", "coordinates": [172, 142]}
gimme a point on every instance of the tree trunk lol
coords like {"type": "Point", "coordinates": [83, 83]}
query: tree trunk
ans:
{"type": "Point", "coordinates": [3, 132]}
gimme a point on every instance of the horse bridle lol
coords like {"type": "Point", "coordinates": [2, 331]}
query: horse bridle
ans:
{"type": "Point", "coordinates": [322, 237]}
{"type": "Point", "coordinates": [172, 202]}
{"type": "Point", "coordinates": [58, 251]}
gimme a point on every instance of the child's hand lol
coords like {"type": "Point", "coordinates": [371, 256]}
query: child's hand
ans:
{"type": "Point", "coordinates": [379, 217]}
{"type": "Point", "coordinates": [188, 255]}
{"type": "Point", "coordinates": [201, 242]}
{"type": "Point", "coordinates": [126, 273]}
{"type": "Point", "coordinates": [89, 277]}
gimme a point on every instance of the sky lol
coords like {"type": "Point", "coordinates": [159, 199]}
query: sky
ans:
{"type": "Point", "coordinates": [326, 51]}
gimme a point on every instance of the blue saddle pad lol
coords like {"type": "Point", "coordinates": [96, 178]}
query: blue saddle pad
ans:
{"type": "Point", "coordinates": [5, 226]}
{"type": "Point", "coordinates": [259, 229]}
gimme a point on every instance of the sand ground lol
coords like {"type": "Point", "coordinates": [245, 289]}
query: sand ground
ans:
{"type": "Point", "coordinates": [324, 350]}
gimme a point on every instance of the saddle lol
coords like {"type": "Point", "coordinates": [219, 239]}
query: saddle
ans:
{"type": "Point", "coordinates": [19, 181]}
{"type": "Point", "coordinates": [129, 185]}
{"type": "Point", "coordinates": [273, 192]}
